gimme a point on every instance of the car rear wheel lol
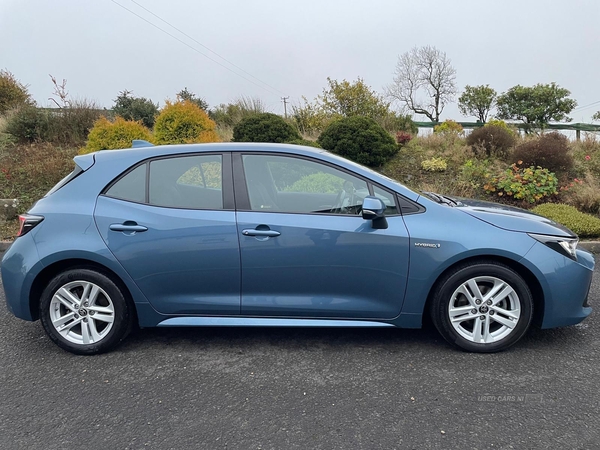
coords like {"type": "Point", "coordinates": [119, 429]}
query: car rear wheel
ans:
{"type": "Point", "coordinates": [85, 312]}
{"type": "Point", "coordinates": [482, 307]}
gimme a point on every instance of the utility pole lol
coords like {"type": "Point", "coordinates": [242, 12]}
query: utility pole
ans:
{"type": "Point", "coordinates": [284, 99]}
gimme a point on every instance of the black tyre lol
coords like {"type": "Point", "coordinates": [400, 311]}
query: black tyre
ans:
{"type": "Point", "coordinates": [482, 307]}
{"type": "Point", "coordinates": [85, 312]}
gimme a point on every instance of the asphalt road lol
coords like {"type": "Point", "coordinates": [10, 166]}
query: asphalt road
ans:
{"type": "Point", "coordinates": [284, 389]}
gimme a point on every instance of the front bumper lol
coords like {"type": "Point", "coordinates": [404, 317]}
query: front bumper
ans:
{"type": "Point", "coordinates": [565, 284]}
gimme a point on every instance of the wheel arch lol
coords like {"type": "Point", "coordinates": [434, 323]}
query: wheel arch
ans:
{"type": "Point", "coordinates": [530, 279]}
{"type": "Point", "coordinates": [43, 278]}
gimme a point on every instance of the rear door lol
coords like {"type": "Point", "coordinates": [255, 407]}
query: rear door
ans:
{"type": "Point", "coordinates": [306, 250]}
{"type": "Point", "coordinates": [170, 222]}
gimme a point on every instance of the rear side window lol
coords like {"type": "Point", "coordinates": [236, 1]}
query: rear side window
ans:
{"type": "Point", "coordinates": [190, 182]}
{"type": "Point", "coordinates": [131, 187]}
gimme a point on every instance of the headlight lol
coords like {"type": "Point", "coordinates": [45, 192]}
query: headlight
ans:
{"type": "Point", "coordinates": [564, 245]}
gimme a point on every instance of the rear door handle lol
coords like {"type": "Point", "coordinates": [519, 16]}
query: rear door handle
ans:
{"type": "Point", "coordinates": [127, 227]}
{"type": "Point", "coordinates": [266, 233]}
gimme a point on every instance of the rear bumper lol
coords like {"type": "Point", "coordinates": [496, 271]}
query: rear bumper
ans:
{"type": "Point", "coordinates": [565, 283]}
{"type": "Point", "coordinates": [20, 266]}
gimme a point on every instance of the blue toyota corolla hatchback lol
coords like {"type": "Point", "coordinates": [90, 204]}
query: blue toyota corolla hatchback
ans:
{"type": "Point", "coordinates": [280, 235]}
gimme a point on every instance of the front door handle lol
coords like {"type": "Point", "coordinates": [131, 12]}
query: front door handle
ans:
{"type": "Point", "coordinates": [127, 226]}
{"type": "Point", "coordinates": [262, 233]}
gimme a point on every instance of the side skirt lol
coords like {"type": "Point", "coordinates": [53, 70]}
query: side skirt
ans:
{"type": "Point", "coordinates": [266, 322]}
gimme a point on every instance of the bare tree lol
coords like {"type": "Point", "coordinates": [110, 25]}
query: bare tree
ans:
{"type": "Point", "coordinates": [424, 82]}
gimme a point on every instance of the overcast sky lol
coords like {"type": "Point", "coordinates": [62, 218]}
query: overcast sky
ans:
{"type": "Point", "coordinates": [101, 48]}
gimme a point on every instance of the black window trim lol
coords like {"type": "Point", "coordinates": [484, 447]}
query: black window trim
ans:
{"type": "Point", "coordinates": [226, 181]}
{"type": "Point", "coordinates": [242, 197]}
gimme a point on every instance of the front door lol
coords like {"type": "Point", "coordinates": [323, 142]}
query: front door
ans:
{"type": "Point", "coordinates": [305, 249]}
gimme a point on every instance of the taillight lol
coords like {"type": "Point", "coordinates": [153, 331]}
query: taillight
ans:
{"type": "Point", "coordinates": [27, 223]}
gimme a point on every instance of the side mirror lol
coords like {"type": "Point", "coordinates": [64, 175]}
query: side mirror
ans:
{"type": "Point", "coordinates": [372, 208]}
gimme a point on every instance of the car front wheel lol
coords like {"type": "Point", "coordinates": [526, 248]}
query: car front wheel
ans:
{"type": "Point", "coordinates": [85, 312]}
{"type": "Point", "coordinates": [482, 307]}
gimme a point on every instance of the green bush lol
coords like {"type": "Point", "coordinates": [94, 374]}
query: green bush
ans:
{"type": "Point", "coordinates": [304, 142]}
{"type": "Point", "coordinates": [13, 94]}
{"type": "Point", "coordinates": [27, 124]}
{"type": "Point", "coordinates": [394, 122]}
{"type": "Point", "coordinates": [584, 225]}
{"type": "Point", "coordinates": [529, 184]}
{"type": "Point", "coordinates": [136, 108]}
{"type": "Point", "coordinates": [434, 165]}
{"type": "Point", "coordinates": [550, 150]}
{"type": "Point", "coordinates": [360, 139]}
{"type": "Point", "coordinates": [264, 127]}
{"type": "Point", "coordinates": [107, 135]}
{"type": "Point", "coordinates": [229, 115]}
{"type": "Point", "coordinates": [494, 140]}
{"type": "Point", "coordinates": [184, 123]}
{"type": "Point", "coordinates": [68, 126]}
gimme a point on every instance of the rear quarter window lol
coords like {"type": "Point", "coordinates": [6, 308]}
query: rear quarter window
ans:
{"type": "Point", "coordinates": [131, 186]}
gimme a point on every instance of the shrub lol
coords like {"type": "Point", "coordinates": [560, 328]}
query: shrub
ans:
{"type": "Point", "coordinates": [583, 194]}
{"type": "Point", "coordinates": [434, 165]}
{"type": "Point", "coordinates": [403, 138]}
{"type": "Point", "coordinates": [184, 123]}
{"type": "Point", "coordinates": [63, 126]}
{"type": "Point", "coordinates": [13, 93]}
{"type": "Point", "coordinates": [360, 139]}
{"type": "Point", "coordinates": [29, 171]}
{"type": "Point", "coordinates": [231, 114]}
{"type": "Point", "coordinates": [526, 184]}
{"type": "Point", "coordinates": [499, 123]}
{"type": "Point", "coordinates": [135, 108]}
{"type": "Point", "coordinates": [476, 172]}
{"type": "Point", "coordinates": [448, 127]}
{"type": "Point", "coordinates": [550, 150]}
{"type": "Point", "coordinates": [265, 127]}
{"type": "Point", "coordinates": [27, 124]}
{"type": "Point", "coordinates": [107, 135]}
{"type": "Point", "coordinates": [304, 142]}
{"type": "Point", "coordinates": [394, 122]}
{"type": "Point", "coordinates": [495, 140]}
{"type": "Point", "coordinates": [584, 225]}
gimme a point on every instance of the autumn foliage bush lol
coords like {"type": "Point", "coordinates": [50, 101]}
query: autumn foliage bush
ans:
{"type": "Point", "coordinates": [184, 122]}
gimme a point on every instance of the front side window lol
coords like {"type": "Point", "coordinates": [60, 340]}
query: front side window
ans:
{"type": "Point", "coordinates": [388, 198]}
{"type": "Point", "coordinates": [191, 182]}
{"type": "Point", "coordinates": [295, 185]}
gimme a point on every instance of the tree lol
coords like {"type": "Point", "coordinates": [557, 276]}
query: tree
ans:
{"type": "Point", "coordinates": [536, 105]}
{"type": "Point", "coordinates": [185, 95]}
{"type": "Point", "coordinates": [424, 70]}
{"type": "Point", "coordinates": [12, 92]}
{"type": "Point", "coordinates": [596, 116]}
{"type": "Point", "coordinates": [477, 101]}
{"type": "Point", "coordinates": [135, 108]}
{"type": "Point", "coordinates": [346, 99]}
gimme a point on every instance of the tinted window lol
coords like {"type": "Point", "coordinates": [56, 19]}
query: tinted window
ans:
{"type": "Point", "coordinates": [131, 187]}
{"type": "Point", "coordinates": [388, 198]}
{"type": "Point", "coordinates": [192, 182]}
{"type": "Point", "coordinates": [285, 184]}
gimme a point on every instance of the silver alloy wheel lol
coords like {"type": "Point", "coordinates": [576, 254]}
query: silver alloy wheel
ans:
{"type": "Point", "coordinates": [82, 312]}
{"type": "Point", "coordinates": [484, 309]}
